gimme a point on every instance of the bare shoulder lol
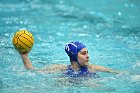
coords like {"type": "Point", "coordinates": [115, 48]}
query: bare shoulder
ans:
{"type": "Point", "coordinates": [103, 69]}
{"type": "Point", "coordinates": [59, 67]}
{"type": "Point", "coordinates": [96, 67]}
{"type": "Point", "coordinates": [93, 68]}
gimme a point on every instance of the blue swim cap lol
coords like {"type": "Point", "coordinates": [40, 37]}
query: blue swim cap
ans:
{"type": "Point", "coordinates": [73, 48]}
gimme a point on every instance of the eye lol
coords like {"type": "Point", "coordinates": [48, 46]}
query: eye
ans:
{"type": "Point", "coordinates": [84, 53]}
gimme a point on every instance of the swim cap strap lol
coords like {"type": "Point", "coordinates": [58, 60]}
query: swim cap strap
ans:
{"type": "Point", "coordinates": [72, 50]}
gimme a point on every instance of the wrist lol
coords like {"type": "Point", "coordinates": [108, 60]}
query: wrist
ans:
{"type": "Point", "coordinates": [24, 55]}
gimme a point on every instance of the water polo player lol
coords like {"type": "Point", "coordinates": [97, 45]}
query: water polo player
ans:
{"type": "Point", "coordinates": [79, 59]}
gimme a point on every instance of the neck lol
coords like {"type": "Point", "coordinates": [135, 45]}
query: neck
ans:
{"type": "Point", "coordinates": [75, 65]}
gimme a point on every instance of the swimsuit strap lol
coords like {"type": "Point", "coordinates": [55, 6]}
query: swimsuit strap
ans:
{"type": "Point", "coordinates": [82, 69]}
{"type": "Point", "coordinates": [82, 72]}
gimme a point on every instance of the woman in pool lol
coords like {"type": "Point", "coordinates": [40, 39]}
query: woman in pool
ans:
{"type": "Point", "coordinates": [79, 60]}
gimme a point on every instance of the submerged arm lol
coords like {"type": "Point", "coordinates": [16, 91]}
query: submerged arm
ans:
{"type": "Point", "coordinates": [104, 69]}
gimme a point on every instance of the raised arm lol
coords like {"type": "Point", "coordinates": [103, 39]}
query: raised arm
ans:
{"type": "Point", "coordinates": [48, 69]}
{"type": "Point", "coordinates": [26, 61]}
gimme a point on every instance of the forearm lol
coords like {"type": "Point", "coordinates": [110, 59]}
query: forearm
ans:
{"type": "Point", "coordinates": [26, 61]}
{"type": "Point", "coordinates": [112, 71]}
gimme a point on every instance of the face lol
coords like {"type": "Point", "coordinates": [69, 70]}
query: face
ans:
{"type": "Point", "coordinates": [83, 57]}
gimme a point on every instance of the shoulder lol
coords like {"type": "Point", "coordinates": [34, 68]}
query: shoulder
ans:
{"type": "Point", "coordinates": [103, 69]}
{"type": "Point", "coordinates": [94, 67]}
{"type": "Point", "coordinates": [58, 67]}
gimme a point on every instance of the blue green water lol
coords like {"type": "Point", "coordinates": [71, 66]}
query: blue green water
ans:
{"type": "Point", "coordinates": [109, 28]}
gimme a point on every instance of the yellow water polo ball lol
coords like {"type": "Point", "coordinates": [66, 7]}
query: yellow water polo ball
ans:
{"type": "Point", "coordinates": [23, 41]}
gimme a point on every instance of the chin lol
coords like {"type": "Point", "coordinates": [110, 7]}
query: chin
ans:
{"type": "Point", "coordinates": [86, 64]}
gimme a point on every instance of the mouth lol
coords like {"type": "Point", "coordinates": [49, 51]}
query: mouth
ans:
{"type": "Point", "coordinates": [87, 60]}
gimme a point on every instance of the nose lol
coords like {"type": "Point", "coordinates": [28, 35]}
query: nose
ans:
{"type": "Point", "coordinates": [87, 56]}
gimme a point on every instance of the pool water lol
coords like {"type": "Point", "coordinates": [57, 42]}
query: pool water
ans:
{"type": "Point", "coordinates": [109, 28]}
